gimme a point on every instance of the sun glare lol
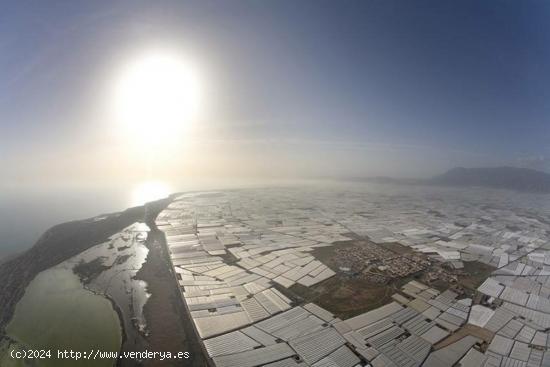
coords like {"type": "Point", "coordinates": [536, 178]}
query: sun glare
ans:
{"type": "Point", "coordinates": [149, 191]}
{"type": "Point", "coordinates": [156, 97]}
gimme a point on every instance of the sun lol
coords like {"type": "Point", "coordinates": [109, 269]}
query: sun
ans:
{"type": "Point", "coordinates": [156, 96]}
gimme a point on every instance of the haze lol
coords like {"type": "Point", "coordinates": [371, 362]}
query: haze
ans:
{"type": "Point", "coordinates": [288, 90]}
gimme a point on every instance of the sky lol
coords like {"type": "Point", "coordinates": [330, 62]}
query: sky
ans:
{"type": "Point", "coordinates": [290, 89]}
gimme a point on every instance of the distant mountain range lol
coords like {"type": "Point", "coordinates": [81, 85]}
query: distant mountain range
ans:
{"type": "Point", "coordinates": [512, 178]}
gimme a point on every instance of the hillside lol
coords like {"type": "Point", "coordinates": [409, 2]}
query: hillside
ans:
{"type": "Point", "coordinates": [512, 178]}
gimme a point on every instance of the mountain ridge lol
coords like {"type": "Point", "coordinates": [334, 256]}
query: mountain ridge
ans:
{"type": "Point", "coordinates": [502, 177]}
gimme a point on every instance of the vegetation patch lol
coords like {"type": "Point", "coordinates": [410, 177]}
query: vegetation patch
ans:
{"type": "Point", "coordinates": [88, 271]}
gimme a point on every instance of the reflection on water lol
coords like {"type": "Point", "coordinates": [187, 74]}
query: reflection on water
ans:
{"type": "Point", "coordinates": [75, 304]}
{"type": "Point", "coordinates": [26, 213]}
{"type": "Point", "coordinates": [114, 275]}
{"type": "Point", "coordinates": [149, 191]}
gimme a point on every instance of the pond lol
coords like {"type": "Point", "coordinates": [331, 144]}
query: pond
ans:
{"type": "Point", "coordinates": [58, 313]}
{"type": "Point", "coordinates": [82, 303]}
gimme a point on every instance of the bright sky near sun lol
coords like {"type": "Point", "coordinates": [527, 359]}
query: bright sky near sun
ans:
{"type": "Point", "coordinates": [156, 98]}
{"type": "Point", "coordinates": [97, 93]}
